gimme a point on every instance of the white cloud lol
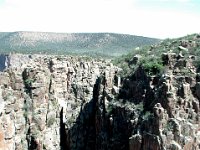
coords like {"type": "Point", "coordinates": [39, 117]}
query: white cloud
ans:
{"type": "Point", "coordinates": [120, 16]}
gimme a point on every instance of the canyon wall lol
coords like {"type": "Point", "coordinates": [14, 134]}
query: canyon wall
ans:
{"type": "Point", "coordinates": [76, 103]}
{"type": "Point", "coordinates": [42, 96]}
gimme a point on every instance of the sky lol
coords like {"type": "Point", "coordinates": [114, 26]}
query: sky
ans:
{"type": "Point", "coordinates": [150, 18]}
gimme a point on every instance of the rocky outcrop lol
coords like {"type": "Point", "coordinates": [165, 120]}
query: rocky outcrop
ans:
{"type": "Point", "coordinates": [42, 97]}
{"type": "Point", "coordinates": [170, 116]}
{"type": "Point", "coordinates": [72, 103]}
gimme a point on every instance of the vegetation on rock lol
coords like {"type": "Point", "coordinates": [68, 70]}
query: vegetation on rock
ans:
{"type": "Point", "coordinates": [150, 57]}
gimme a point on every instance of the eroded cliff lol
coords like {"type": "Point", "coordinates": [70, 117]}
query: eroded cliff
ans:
{"type": "Point", "coordinates": [71, 103]}
{"type": "Point", "coordinates": [42, 96]}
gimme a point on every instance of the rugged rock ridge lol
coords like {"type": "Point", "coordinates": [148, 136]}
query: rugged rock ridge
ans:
{"type": "Point", "coordinates": [42, 96]}
{"type": "Point", "coordinates": [72, 103]}
{"type": "Point", "coordinates": [170, 117]}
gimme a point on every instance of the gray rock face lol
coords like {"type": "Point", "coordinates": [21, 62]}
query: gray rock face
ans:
{"type": "Point", "coordinates": [41, 97]}
{"type": "Point", "coordinates": [71, 103]}
{"type": "Point", "coordinates": [171, 107]}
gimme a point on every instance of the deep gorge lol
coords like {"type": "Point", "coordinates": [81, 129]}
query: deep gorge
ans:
{"type": "Point", "coordinates": [74, 103]}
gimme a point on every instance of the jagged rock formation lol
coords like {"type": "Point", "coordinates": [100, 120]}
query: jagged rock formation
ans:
{"type": "Point", "coordinates": [71, 103]}
{"type": "Point", "coordinates": [42, 96]}
{"type": "Point", "coordinates": [170, 117]}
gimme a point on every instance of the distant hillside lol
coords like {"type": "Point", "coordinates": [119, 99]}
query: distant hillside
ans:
{"type": "Point", "coordinates": [71, 43]}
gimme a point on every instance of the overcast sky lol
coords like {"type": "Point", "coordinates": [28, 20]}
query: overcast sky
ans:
{"type": "Point", "coordinates": [152, 18]}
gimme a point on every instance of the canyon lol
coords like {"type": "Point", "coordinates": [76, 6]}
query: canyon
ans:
{"type": "Point", "coordinates": [76, 103]}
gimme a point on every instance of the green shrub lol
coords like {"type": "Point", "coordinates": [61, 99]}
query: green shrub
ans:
{"type": "Point", "coordinates": [197, 63]}
{"type": "Point", "coordinates": [153, 68]}
{"type": "Point", "coordinates": [147, 115]}
{"type": "Point", "coordinates": [51, 121]}
{"type": "Point", "coordinates": [29, 81]}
